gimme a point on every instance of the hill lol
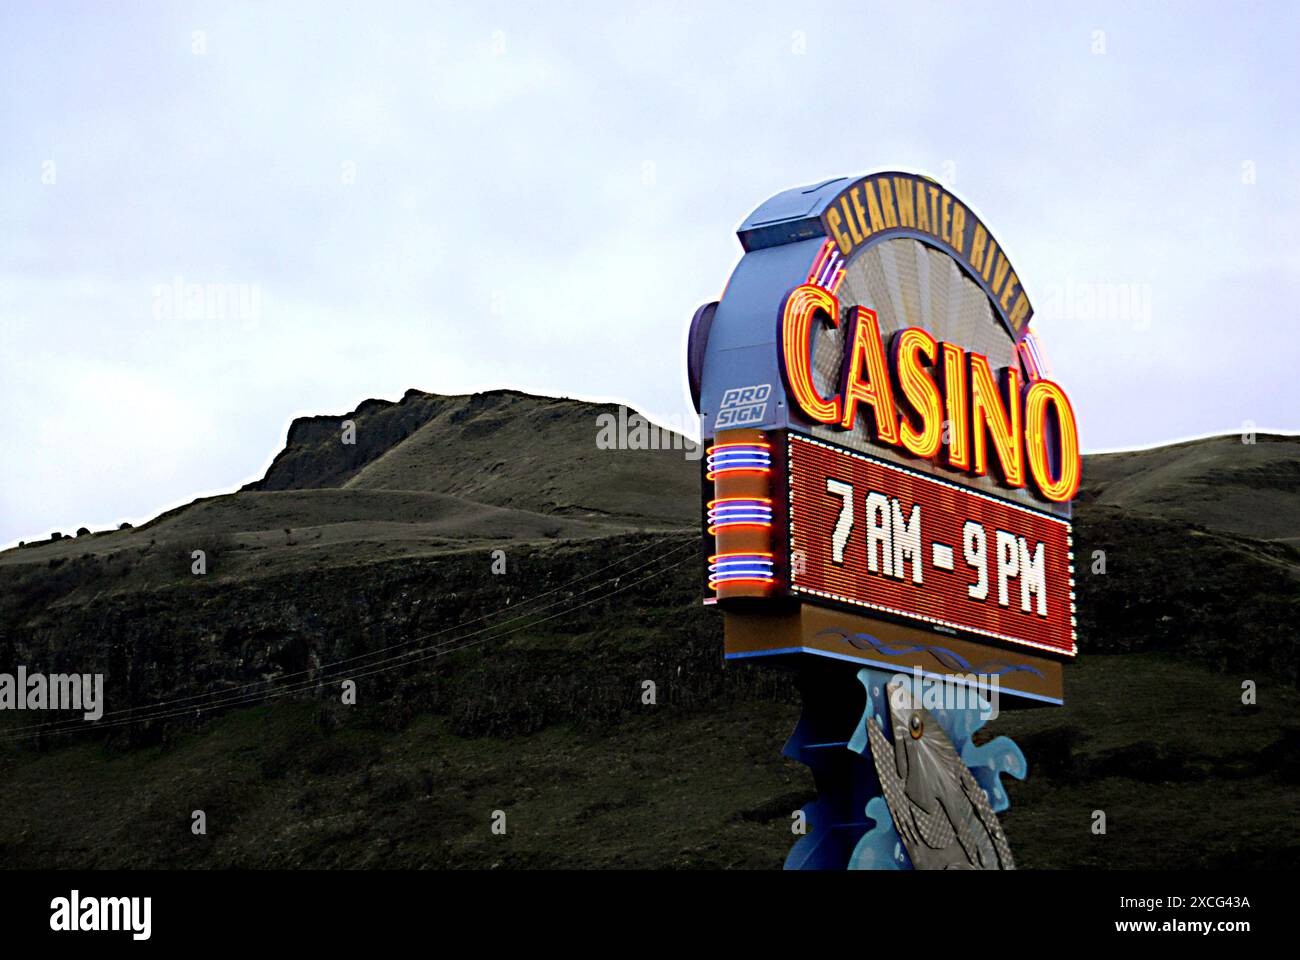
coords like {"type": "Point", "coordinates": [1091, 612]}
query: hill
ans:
{"type": "Point", "coordinates": [503, 447]}
{"type": "Point", "coordinates": [428, 474]}
{"type": "Point", "coordinates": [1219, 483]}
{"type": "Point", "coordinates": [521, 690]}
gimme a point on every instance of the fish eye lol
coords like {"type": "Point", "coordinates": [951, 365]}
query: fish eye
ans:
{"type": "Point", "coordinates": [916, 726]}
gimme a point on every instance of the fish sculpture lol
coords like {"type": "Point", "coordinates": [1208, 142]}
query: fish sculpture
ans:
{"type": "Point", "coordinates": [941, 813]}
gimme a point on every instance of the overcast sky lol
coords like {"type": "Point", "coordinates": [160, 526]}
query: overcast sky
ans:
{"type": "Point", "coordinates": [539, 195]}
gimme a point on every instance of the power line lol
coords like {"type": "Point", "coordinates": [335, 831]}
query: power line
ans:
{"type": "Point", "coordinates": [258, 687]}
{"type": "Point", "coordinates": [372, 670]}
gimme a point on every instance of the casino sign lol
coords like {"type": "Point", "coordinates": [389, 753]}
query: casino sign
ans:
{"type": "Point", "coordinates": [889, 472]}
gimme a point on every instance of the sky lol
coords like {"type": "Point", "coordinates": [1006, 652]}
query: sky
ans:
{"type": "Point", "coordinates": [378, 196]}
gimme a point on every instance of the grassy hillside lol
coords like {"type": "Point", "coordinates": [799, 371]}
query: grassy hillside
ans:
{"type": "Point", "coordinates": [666, 787]}
{"type": "Point", "coordinates": [427, 475]}
{"type": "Point", "coordinates": [503, 447]}
{"type": "Point", "coordinates": [521, 691]}
{"type": "Point", "coordinates": [1219, 483]}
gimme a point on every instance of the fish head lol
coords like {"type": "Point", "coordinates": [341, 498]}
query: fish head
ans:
{"type": "Point", "coordinates": [923, 754]}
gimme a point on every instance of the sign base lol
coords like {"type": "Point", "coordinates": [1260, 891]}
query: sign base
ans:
{"type": "Point", "coordinates": [1025, 679]}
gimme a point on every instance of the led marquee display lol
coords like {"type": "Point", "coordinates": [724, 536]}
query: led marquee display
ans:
{"type": "Point", "coordinates": [909, 546]}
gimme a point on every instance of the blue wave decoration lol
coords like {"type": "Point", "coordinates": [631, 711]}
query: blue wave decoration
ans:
{"type": "Point", "coordinates": [948, 658]}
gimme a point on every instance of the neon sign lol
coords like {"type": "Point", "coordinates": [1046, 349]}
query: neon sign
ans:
{"type": "Point", "coordinates": [886, 506]}
{"type": "Point", "coordinates": [995, 424]}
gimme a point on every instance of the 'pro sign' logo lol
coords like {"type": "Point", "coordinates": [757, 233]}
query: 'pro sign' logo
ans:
{"type": "Point", "coordinates": [743, 406]}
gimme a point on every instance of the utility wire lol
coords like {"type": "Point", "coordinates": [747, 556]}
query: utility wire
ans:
{"type": "Point", "coordinates": [258, 686]}
{"type": "Point", "coordinates": [370, 670]}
